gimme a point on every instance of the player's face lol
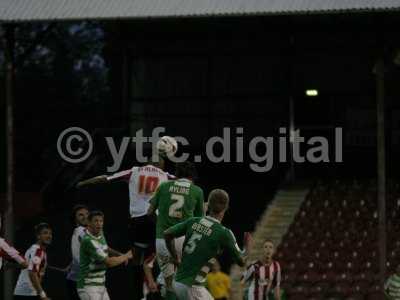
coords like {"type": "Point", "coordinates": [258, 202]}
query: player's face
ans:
{"type": "Point", "coordinates": [269, 249]}
{"type": "Point", "coordinates": [81, 217]}
{"type": "Point", "coordinates": [96, 225]}
{"type": "Point", "coordinates": [45, 237]}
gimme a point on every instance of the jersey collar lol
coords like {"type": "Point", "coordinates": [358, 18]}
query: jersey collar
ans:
{"type": "Point", "coordinates": [184, 179]}
{"type": "Point", "coordinates": [95, 237]}
{"type": "Point", "coordinates": [214, 219]}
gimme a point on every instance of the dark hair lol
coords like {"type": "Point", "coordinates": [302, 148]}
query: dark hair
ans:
{"type": "Point", "coordinates": [218, 201]}
{"type": "Point", "coordinates": [186, 170]}
{"type": "Point", "coordinates": [40, 227]}
{"type": "Point", "coordinates": [95, 213]}
{"type": "Point", "coordinates": [77, 208]}
{"type": "Point", "coordinates": [269, 241]}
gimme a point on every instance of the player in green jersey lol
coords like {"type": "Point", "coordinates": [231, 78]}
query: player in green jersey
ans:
{"type": "Point", "coordinates": [205, 238]}
{"type": "Point", "coordinates": [176, 201]}
{"type": "Point", "coordinates": [95, 258]}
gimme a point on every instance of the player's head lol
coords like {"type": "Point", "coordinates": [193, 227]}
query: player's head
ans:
{"type": "Point", "coordinates": [218, 202]}
{"type": "Point", "coordinates": [216, 267]}
{"type": "Point", "coordinates": [96, 222]}
{"type": "Point", "coordinates": [157, 161]}
{"type": "Point", "coordinates": [186, 170]}
{"type": "Point", "coordinates": [44, 234]}
{"type": "Point", "coordinates": [268, 248]}
{"type": "Point", "coordinates": [80, 214]}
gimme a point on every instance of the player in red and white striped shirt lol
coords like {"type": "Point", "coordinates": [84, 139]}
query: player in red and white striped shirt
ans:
{"type": "Point", "coordinates": [263, 277]}
{"type": "Point", "coordinates": [7, 252]}
{"type": "Point", "coordinates": [29, 284]}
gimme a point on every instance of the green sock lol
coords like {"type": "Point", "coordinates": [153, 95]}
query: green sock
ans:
{"type": "Point", "coordinates": [170, 295]}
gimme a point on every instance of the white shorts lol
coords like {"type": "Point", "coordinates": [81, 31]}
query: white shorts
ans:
{"type": "Point", "coordinates": [195, 292]}
{"type": "Point", "coordinates": [164, 257]}
{"type": "Point", "coordinates": [93, 293]}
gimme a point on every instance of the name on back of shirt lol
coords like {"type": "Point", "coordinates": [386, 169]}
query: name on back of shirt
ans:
{"type": "Point", "coordinates": [179, 190]}
{"type": "Point", "coordinates": [202, 229]}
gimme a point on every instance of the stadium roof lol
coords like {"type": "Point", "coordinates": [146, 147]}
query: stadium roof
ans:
{"type": "Point", "coordinates": [46, 10]}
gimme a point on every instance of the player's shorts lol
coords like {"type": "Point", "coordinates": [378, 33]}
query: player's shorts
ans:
{"type": "Point", "coordinates": [142, 232]}
{"type": "Point", "coordinates": [194, 292]}
{"type": "Point", "coordinates": [93, 293]}
{"type": "Point", "coordinates": [164, 257]}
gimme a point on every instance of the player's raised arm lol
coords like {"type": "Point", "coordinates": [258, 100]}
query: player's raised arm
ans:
{"type": "Point", "coordinates": [120, 176]}
{"type": "Point", "coordinates": [230, 244]}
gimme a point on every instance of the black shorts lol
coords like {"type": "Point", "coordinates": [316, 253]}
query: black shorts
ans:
{"type": "Point", "coordinates": [26, 297]}
{"type": "Point", "coordinates": [142, 231]}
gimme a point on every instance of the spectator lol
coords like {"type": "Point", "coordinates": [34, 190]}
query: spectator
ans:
{"type": "Point", "coordinates": [218, 283]}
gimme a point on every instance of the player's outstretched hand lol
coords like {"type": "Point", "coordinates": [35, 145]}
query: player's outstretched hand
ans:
{"type": "Point", "coordinates": [129, 255]}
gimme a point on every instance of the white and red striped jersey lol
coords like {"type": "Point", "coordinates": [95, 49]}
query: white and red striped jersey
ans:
{"type": "Point", "coordinates": [8, 252]}
{"type": "Point", "coordinates": [143, 182]}
{"type": "Point", "coordinates": [37, 262]}
{"type": "Point", "coordinates": [262, 279]}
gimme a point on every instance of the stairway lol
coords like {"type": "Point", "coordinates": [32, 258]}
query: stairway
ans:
{"type": "Point", "coordinates": [278, 216]}
{"type": "Point", "coordinates": [273, 225]}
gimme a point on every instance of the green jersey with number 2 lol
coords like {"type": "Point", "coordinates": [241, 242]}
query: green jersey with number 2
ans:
{"type": "Point", "coordinates": [205, 238]}
{"type": "Point", "coordinates": [177, 201]}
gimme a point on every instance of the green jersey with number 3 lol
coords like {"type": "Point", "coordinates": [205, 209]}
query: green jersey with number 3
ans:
{"type": "Point", "coordinates": [205, 238]}
{"type": "Point", "coordinates": [177, 201]}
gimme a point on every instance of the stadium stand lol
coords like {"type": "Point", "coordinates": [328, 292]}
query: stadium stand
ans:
{"type": "Point", "coordinates": [331, 248]}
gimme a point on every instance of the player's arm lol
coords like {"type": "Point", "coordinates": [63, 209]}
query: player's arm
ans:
{"type": "Point", "coordinates": [230, 244]}
{"type": "Point", "coordinates": [34, 278]}
{"type": "Point", "coordinates": [33, 271]}
{"type": "Point", "coordinates": [112, 252]}
{"type": "Point", "coordinates": [123, 175]}
{"type": "Point", "coordinates": [13, 253]}
{"type": "Point", "coordinates": [199, 209]}
{"type": "Point", "coordinates": [173, 232]}
{"type": "Point", "coordinates": [154, 201]}
{"type": "Point", "coordinates": [118, 260]}
{"type": "Point", "coordinates": [99, 255]}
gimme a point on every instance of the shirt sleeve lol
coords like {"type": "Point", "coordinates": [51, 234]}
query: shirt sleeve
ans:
{"type": "Point", "coordinates": [199, 209]}
{"type": "Point", "coordinates": [35, 260]}
{"type": "Point", "coordinates": [179, 229]}
{"type": "Point", "coordinates": [230, 244]}
{"type": "Point", "coordinates": [123, 175]}
{"type": "Point", "coordinates": [10, 251]}
{"type": "Point", "coordinates": [94, 250]}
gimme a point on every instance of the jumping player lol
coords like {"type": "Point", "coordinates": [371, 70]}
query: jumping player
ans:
{"type": "Point", "coordinates": [143, 182]}
{"type": "Point", "coordinates": [205, 238]}
{"type": "Point", "coordinates": [176, 202]}
{"type": "Point", "coordinates": [29, 284]}
{"type": "Point", "coordinates": [264, 276]}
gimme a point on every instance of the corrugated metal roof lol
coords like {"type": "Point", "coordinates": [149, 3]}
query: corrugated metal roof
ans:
{"type": "Point", "coordinates": [35, 10]}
